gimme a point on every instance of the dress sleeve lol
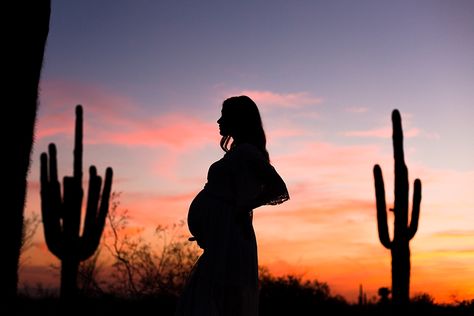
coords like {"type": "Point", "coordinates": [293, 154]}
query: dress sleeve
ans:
{"type": "Point", "coordinates": [257, 182]}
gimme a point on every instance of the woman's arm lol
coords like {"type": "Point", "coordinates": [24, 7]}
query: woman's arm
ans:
{"type": "Point", "coordinates": [257, 181]}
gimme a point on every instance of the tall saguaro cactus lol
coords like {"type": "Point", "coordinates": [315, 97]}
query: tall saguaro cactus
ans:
{"type": "Point", "coordinates": [24, 39]}
{"type": "Point", "coordinates": [62, 215]}
{"type": "Point", "coordinates": [403, 233]}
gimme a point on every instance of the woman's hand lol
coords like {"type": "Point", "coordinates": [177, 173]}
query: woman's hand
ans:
{"type": "Point", "coordinates": [199, 241]}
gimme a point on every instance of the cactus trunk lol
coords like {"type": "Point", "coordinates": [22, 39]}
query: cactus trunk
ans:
{"type": "Point", "coordinates": [403, 233]}
{"type": "Point", "coordinates": [69, 271]}
{"type": "Point", "coordinates": [62, 216]}
{"type": "Point", "coordinates": [400, 273]}
{"type": "Point", "coordinates": [23, 51]}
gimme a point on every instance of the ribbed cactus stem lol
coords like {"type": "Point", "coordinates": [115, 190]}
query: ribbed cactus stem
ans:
{"type": "Point", "coordinates": [62, 215]}
{"type": "Point", "coordinates": [403, 232]}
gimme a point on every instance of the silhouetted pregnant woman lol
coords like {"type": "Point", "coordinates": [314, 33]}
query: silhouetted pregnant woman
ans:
{"type": "Point", "coordinates": [224, 281]}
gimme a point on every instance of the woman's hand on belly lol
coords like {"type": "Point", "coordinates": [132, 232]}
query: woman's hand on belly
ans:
{"type": "Point", "coordinates": [199, 241]}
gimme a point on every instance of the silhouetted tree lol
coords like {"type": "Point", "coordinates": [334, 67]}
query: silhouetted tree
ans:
{"type": "Point", "coordinates": [142, 268]}
{"type": "Point", "coordinates": [384, 293]}
{"type": "Point", "coordinates": [422, 299]}
{"type": "Point", "coordinates": [399, 245]}
{"type": "Point", "coordinates": [138, 268]}
{"type": "Point", "coordinates": [23, 46]}
{"type": "Point", "coordinates": [62, 214]}
{"type": "Point", "coordinates": [88, 281]}
{"type": "Point", "coordinates": [362, 298]}
{"type": "Point", "coordinates": [30, 226]}
{"type": "Point", "coordinates": [290, 295]}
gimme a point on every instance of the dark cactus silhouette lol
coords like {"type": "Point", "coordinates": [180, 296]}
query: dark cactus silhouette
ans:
{"type": "Point", "coordinates": [23, 44]}
{"type": "Point", "coordinates": [62, 215]}
{"type": "Point", "coordinates": [403, 233]}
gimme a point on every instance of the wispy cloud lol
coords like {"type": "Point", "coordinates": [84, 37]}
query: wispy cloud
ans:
{"type": "Point", "coordinates": [455, 234]}
{"type": "Point", "coordinates": [385, 132]}
{"type": "Point", "coordinates": [356, 109]}
{"type": "Point", "coordinates": [270, 99]}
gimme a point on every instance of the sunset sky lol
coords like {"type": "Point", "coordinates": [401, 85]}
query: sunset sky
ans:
{"type": "Point", "coordinates": [326, 75]}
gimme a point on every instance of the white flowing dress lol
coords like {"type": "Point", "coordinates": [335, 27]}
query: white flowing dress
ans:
{"type": "Point", "coordinates": [224, 281]}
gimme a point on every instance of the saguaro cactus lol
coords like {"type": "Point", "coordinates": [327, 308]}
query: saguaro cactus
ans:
{"type": "Point", "coordinates": [62, 215]}
{"type": "Point", "coordinates": [23, 46]}
{"type": "Point", "coordinates": [403, 233]}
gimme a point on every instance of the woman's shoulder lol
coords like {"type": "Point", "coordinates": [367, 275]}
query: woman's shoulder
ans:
{"type": "Point", "coordinates": [248, 151]}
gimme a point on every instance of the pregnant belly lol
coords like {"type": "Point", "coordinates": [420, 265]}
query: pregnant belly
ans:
{"type": "Point", "coordinates": [198, 215]}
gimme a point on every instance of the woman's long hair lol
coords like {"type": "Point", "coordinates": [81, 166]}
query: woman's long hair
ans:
{"type": "Point", "coordinates": [243, 115]}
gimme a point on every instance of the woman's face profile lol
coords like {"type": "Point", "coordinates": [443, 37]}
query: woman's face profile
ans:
{"type": "Point", "coordinates": [223, 121]}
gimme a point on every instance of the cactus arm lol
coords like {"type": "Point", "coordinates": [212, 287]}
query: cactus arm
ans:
{"type": "Point", "coordinates": [54, 182]}
{"type": "Point", "coordinates": [96, 220]}
{"type": "Point", "coordinates": [90, 222]}
{"type": "Point", "coordinates": [95, 182]}
{"type": "Point", "coordinates": [104, 203]}
{"type": "Point", "coordinates": [415, 213]}
{"type": "Point", "coordinates": [381, 208]}
{"type": "Point", "coordinates": [51, 201]}
{"type": "Point", "coordinates": [53, 165]}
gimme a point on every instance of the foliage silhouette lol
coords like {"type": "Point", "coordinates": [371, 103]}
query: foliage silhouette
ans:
{"type": "Point", "coordinates": [165, 307]}
{"type": "Point", "coordinates": [362, 298]}
{"type": "Point", "coordinates": [127, 265]}
{"type": "Point", "coordinates": [384, 293]}
{"type": "Point", "coordinates": [30, 226]}
{"type": "Point", "coordinates": [62, 215]}
{"type": "Point", "coordinates": [24, 43]}
{"type": "Point", "coordinates": [290, 295]}
{"type": "Point", "coordinates": [142, 269]}
{"type": "Point", "coordinates": [399, 245]}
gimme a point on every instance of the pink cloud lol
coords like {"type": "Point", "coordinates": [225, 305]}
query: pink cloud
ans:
{"type": "Point", "coordinates": [114, 119]}
{"type": "Point", "coordinates": [101, 108]}
{"type": "Point", "coordinates": [172, 130]}
{"type": "Point", "coordinates": [58, 95]}
{"type": "Point", "coordinates": [53, 126]}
